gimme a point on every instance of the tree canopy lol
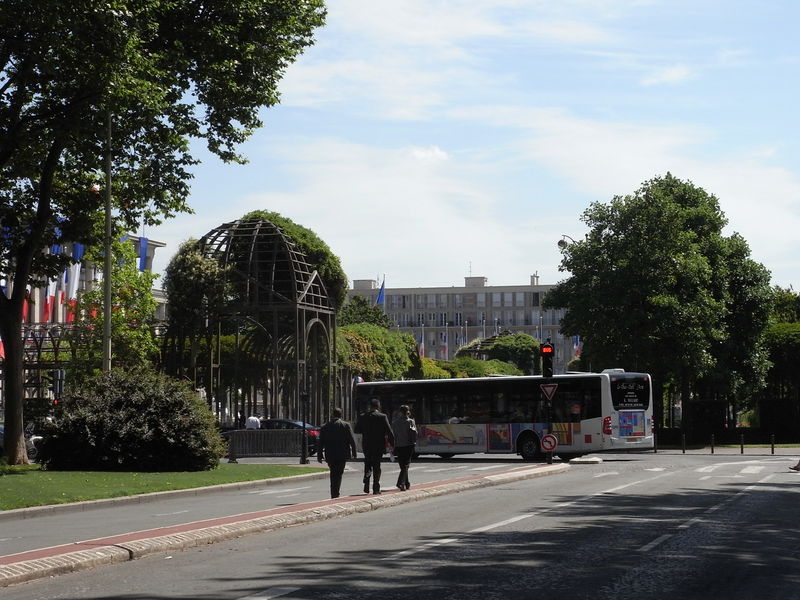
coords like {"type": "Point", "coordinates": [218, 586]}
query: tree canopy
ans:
{"type": "Point", "coordinates": [518, 349]}
{"type": "Point", "coordinates": [655, 286]}
{"type": "Point", "coordinates": [317, 252]}
{"type": "Point", "coordinates": [149, 76]}
{"type": "Point", "coordinates": [359, 310]}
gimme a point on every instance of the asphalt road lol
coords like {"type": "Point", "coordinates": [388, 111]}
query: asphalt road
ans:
{"type": "Point", "coordinates": [634, 526]}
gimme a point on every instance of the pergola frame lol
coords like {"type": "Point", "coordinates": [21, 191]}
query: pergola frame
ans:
{"type": "Point", "coordinates": [272, 287]}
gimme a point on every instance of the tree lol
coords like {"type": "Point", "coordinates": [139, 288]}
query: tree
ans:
{"type": "Point", "coordinates": [518, 349]}
{"type": "Point", "coordinates": [779, 406]}
{"type": "Point", "coordinates": [394, 354]}
{"type": "Point", "coordinates": [656, 287]}
{"type": "Point", "coordinates": [359, 310]}
{"type": "Point", "coordinates": [153, 74]}
{"type": "Point", "coordinates": [195, 287]}
{"type": "Point", "coordinates": [786, 308]}
{"type": "Point", "coordinates": [132, 317]}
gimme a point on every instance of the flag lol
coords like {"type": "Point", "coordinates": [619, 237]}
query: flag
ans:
{"type": "Point", "coordinates": [49, 300]}
{"type": "Point", "coordinates": [422, 345]}
{"type": "Point", "coordinates": [576, 345]}
{"type": "Point", "coordinates": [73, 279]}
{"type": "Point", "coordinates": [142, 253]}
{"type": "Point", "coordinates": [382, 294]}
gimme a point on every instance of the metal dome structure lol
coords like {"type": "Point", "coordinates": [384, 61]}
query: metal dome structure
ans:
{"type": "Point", "coordinates": [284, 321]}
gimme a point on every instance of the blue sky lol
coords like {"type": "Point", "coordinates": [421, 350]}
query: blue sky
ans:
{"type": "Point", "coordinates": [432, 140]}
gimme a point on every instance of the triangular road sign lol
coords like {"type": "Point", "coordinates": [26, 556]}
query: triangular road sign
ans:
{"type": "Point", "coordinates": [549, 389]}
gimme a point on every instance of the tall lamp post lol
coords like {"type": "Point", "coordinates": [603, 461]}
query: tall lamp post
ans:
{"type": "Point", "coordinates": [563, 243]}
{"type": "Point", "coordinates": [107, 258]}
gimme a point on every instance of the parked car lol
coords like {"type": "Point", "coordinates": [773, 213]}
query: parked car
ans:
{"type": "Point", "coordinates": [30, 442]}
{"type": "Point", "coordinates": [312, 431]}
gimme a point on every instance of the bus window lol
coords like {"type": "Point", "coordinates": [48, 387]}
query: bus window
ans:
{"type": "Point", "coordinates": [444, 408]}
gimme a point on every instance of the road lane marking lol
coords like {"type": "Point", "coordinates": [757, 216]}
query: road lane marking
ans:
{"type": "Point", "coordinates": [486, 468]}
{"type": "Point", "coordinates": [752, 469]}
{"type": "Point", "coordinates": [268, 594]}
{"type": "Point", "coordinates": [502, 523]}
{"type": "Point", "coordinates": [655, 542]}
{"type": "Point", "coordinates": [421, 548]}
{"type": "Point", "coordinates": [606, 474]}
{"type": "Point", "coordinates": [281, 491]}
{"type": "Point", "coordinates": [515, 519]}
{"type": "Point", "coordinates": [177, 512]}
{"type": "Point", "coordinates": [454, 468]}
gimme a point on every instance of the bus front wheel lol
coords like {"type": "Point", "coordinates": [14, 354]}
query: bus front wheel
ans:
{"type": "Point", "coordinates": [528, 447]}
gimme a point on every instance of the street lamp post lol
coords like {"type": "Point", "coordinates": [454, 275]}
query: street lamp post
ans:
{"type": "Point", "coordinates": [563, 243]}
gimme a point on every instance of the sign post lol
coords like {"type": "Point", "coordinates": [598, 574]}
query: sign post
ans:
{"type": "Point", "coordinates": [549, 444]}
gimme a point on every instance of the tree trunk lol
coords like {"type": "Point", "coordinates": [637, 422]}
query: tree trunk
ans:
{"type": "Point", "coordinates": [13, 377]}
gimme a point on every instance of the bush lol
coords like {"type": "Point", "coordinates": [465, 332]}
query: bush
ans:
{"type": "Point", "coordinates": [132, 420]}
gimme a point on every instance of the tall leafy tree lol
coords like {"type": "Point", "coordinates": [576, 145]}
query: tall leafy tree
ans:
{"type": "Point", "coordinates": [195, 288]}
{"type": "Point", "coordinates": [132, 316]}
{"type": "Point", "coordinates": [359, 310]}
{"type": "Point", "coordinates": [155, 74]}
{"type": "Point", "coordinates": [656, 287]}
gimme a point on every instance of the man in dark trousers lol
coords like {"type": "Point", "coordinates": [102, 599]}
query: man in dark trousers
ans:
{"type": "Point", "coordinates": [337, 444]}
{"type": "Point", "coordinates": [376, 433]}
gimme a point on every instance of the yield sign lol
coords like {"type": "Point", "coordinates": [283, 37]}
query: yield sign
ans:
{"type": "Point", "coordinates": [549, 389]}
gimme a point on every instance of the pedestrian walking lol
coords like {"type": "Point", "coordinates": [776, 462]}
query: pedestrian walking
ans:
{"type": "Point", "coordinates": [376, 434]}
{"type": "Point", "coordinates": [796, 467]}
{"type": "Point", "coordinates": [336, 445]}
{"type": "Point", "coordinates": [405, 440]}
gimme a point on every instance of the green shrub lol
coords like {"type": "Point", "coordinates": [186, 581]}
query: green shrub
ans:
{"type": "Point", "coordinates": [132, 420]}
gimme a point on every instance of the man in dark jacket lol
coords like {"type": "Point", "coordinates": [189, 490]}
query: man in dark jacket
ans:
{"type": "Point", "coordinates": [337, 444]}
{"type": "Point", "coordinates": [376, 433]}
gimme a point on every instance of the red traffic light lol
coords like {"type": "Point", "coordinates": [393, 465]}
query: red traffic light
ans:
{"type": "Point", "coordinates": [546, 349]}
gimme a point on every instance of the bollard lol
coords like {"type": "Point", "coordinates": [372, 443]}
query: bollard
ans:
{"type": "Point", "coordinates": [683, 442]}
{"type": "Point", "coordinates": [712, 443]}
{"type": "Point", "coordinates": [741, 443]}
{"type": "Point", "coordinates": [772, 443]}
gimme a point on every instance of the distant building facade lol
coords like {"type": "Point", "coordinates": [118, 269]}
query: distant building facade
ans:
{"type": "Point", "coordinates": [442, 319]}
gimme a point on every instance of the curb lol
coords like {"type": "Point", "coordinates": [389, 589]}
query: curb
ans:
{"type": "Point", "coordinates": [29, 570]}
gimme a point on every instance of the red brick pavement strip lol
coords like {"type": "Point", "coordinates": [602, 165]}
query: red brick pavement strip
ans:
{"type": "Point", "coordinates": [57, 560]}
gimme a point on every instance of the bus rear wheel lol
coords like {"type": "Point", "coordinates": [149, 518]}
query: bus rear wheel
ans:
{"type": "Point", "coordinates": [447, 455]}
{"type": "Point", "coordinates": [528, 447]}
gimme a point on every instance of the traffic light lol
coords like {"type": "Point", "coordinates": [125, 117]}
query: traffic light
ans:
{"type": "Point", "coordinates": [547, 352]}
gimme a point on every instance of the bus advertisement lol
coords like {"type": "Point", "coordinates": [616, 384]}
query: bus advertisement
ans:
{"type": "Point", "coordinates": [586, 412]}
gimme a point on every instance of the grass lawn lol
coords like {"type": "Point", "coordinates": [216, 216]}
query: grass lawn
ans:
{"type": "Point", "coordinates": [21, 487]}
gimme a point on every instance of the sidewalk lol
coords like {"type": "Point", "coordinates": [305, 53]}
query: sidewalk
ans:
{"type": "Point", "coordinates": [54, 554]}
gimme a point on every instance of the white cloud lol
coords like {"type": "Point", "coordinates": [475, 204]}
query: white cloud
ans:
{"type": "Point", "coordinates": [669, 75]}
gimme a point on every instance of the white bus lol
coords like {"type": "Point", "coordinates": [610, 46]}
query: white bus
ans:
{"type": "Point", "coordinates": [586, 412]}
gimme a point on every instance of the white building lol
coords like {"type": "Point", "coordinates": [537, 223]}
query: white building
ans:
{"type": "Point", "coordinates": [443, 319]}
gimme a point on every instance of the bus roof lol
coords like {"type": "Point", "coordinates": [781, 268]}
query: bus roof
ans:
{"type": "Point", "coordinates": [465, 380]}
